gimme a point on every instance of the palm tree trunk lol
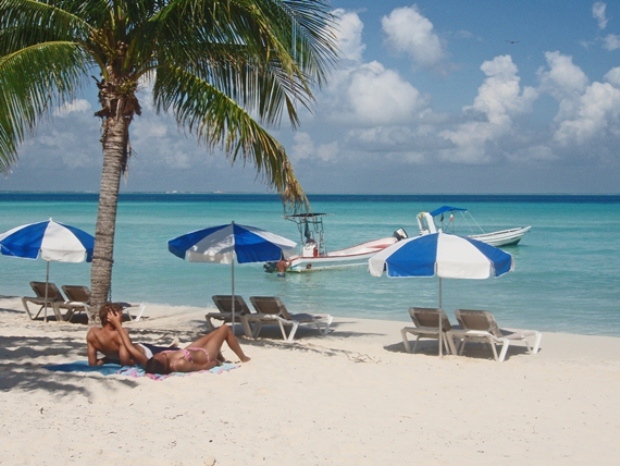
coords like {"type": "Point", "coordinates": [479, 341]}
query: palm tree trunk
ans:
{"type": "Point", "coordinates": [115, 129]}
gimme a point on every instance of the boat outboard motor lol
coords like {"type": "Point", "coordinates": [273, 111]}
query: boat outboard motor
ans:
{"type": "Point", "coordinates": [400, 234]}
{"type": "Point", "coordinates": [270, 267]}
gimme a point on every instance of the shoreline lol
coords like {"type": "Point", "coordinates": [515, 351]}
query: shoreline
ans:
{"type": "Point", "coordinates": [351, 397]}
{"type": "Point", "coordinates": [562, 197]}
{"type": "Point", "coordinates": [557, 284]}
{"type": "Point", "coordinates": [167, 311]}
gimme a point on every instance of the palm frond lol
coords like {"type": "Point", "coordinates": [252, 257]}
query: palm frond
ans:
{"type": "Point", "coordinates": [31, 81]}
{"type": "Point", "coordinates": [265, 54]}
{"type": "Point", "coordinates": [24, 23]}
{"type": "Point", "coordinates": [218, 63]}
{"type": "Point", "coordinates": [218, 121]}
{"type": "Point", "coordinates": [312, 35]}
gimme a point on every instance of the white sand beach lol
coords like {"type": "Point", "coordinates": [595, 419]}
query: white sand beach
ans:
{"type": "Point", "coordinates": [351, 397]}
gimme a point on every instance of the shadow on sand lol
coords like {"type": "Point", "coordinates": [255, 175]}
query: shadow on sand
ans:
{"type": "Point", "coordinates": [19, 369]}
{"type": "Point", "coordinates": [472, 350]}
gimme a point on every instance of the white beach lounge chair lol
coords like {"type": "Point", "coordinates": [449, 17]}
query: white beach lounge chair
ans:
{"type": "Point", "coordinates": [224, 304]}
{"type": "Point", "coordinates": [53, 296]}
{"type": "Point", "coordinates": [79, 300]}
{"type": "Point", "coordinates": [271, 310]}
{"type": "Point", "coordinates": [133, 310]}
{"type": "Point", "coordinates": [426, 321]}
{"type": "Point", "coordinates": [480, 326]}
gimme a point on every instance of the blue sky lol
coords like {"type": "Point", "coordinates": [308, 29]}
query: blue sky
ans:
{"type": "Point", "coordinates": [491, 96]}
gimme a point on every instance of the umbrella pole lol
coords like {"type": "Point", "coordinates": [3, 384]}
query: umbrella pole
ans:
{"type": "Point", "coordinates": [233, 294]}
{"type": "Point", "coordinates": [47, 279]}
{"type": "Point", "coordinates": [440, 334]}
{"type": "Point", "coordinates": [440, 295]}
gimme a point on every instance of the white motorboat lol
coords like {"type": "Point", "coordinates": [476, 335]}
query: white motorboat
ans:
{"type": "Point", "coordinates": [443, 219]}
{"type": "Point", "coordinates": [313, 254]}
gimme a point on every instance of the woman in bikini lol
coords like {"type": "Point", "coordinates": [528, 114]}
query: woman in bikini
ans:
{"type": "Point", "coordinates": [203, 354]}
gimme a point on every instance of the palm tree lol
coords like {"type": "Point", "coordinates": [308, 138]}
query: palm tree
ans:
{"type": "Point", "coordinates": [212, 64]}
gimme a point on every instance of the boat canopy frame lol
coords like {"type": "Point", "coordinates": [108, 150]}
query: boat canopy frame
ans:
{"type": "Point", "coordinates": [311, 230]}
{"type": "Point", "coordinates": [454, 224]}
{"type": "Point", "coordinates": [436, 220]}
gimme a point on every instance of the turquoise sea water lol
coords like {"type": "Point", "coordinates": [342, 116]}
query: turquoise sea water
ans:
{"type": "Point", "coordinates": [566, 278]}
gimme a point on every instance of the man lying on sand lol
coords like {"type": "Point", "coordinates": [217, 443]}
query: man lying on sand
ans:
{"type": "Point", "coordinates": [107, 340]}
{"type": "Point", "coordinates": [203, 354]}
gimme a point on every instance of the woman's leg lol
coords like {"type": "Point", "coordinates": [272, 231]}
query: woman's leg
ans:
{"type": "Point", "coordinates": [213, 342]}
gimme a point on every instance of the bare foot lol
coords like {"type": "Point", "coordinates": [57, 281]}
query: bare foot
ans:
{"type": "Point", "coordinates": [245, 359]}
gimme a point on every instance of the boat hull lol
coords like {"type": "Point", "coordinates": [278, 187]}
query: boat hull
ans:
{"type": "Point", "coordinates": [427, 224]}
{"type": "Point", "coordinates": [355, 256]}
{"type": "Point", "coordinates": [509, 237]}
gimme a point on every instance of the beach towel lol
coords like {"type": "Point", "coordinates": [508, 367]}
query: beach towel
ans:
{"type": "Point", "coordinates": [82, 366]}
{"type": "Point", "coordinates": [138, 371]}
{"type": "Point", "coordinates": [129, 371]}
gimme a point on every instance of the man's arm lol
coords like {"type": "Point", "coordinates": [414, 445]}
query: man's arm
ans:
{"type": "Point", "coordinates": [134, 353]}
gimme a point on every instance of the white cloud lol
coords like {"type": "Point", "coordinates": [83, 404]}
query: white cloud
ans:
{"type": "Point", "coordinates": [410, 32]}
{"type": "Point", "coordinates": [613, 76]}
{"type": "Point", "coordinates": [348, 32]}
{"type": "Point", "coordinates": [382, 135]}
{"type": "Point", "coordinates": [500, 95]}
{"type": "Point", "coordinates": [69, 141]}
{"type": "Point", "coordinates": [75, 106]}
{"type": "Point", "coordinates": [598, 13]}
{"type": "Point", "coordinates": [380, 96]}
{"type": "Point", "coordinates": [157, 141]}
{"type": "Point", "coordinates": [500, 99]}
{"type": "Point", "coordinates": [536, 152]}
{"type": "Point", "coordinates": [611, 42]}
{"type": "Point", "coordinates": [563, 80]}
{"type": "Point", "coordinates": [153, 131]}
{"type": "Point", "coordinates": [586, 111]}
{"type": "Point", "coordinates": [305, 149]}
{"type": "Point", "coordinates": [365, 93]}
{"type": "Point", "coordinates": [595, 114]}
{"type": "Point", "coordinates": [404, 143]}
{"type": "Point", "coordinates": [328, 151]}
{"type": "Point", "coordinates": [563, 77]}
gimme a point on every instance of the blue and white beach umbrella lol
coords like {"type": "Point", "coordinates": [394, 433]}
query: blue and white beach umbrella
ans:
{"type": "Point", "coordinates": [225, 244]}
{"type": "Point", "coordinates": [50, 241]}
{"type": "Point", "coordinates": [442, 255]}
